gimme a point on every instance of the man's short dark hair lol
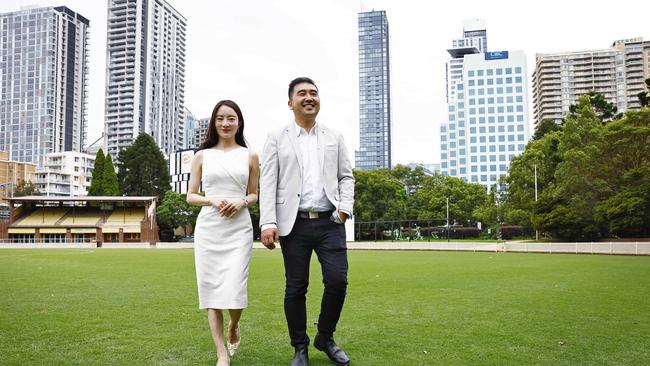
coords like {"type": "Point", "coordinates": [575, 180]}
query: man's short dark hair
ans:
{"type": "Point", "coordinates": [297, 81]}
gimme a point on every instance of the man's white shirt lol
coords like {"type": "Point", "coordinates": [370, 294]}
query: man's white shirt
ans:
{"type": "Point", "coordinates": [312, 197]}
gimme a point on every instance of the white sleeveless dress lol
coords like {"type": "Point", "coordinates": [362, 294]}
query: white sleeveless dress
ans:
{"type": "Point", "coordinates": [223, 246]}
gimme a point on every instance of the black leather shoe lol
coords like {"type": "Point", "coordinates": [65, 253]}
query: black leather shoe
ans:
{"type": "Point", "coordinates": [334, 352]}
{"type": "Point", "coordinates": [301, 358]}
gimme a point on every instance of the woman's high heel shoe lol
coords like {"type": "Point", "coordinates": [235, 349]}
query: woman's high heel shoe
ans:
{"type": "Point", "coordinates": [232, 347]}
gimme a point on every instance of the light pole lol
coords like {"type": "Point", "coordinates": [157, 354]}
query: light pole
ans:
{"type": "Point", "coordinates": [536, 232]}
{"type": "Point", "coordinates": [447, 219]}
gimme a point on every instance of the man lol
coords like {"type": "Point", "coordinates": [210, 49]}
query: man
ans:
{"type": "Point", "coordinates": [307, 194]}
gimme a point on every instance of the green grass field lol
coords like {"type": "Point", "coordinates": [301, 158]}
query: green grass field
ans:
{"type": "Point", "coordinates": [139, 307]}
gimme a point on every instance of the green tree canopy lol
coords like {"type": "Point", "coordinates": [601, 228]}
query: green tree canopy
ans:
{"type": "Point", "coordinates": [142, 170]}
{"type": "Point", "coordinates": [464, 198]}
{"type": "Point", "coordinates": [25, 188]}
{"type": "Point", "coordinates": [544, 127]}
{"type": "Point", "coordinates": [110, 186]}
{"type": "Point", "coordinates": [96, 188]}
{"type": "Point", "coordinates": [624, 164]}
{"type": "Point", "coordinates": [604, 110]}
{"type": "Point", "coordinates": [593, 178]}
{"type": "Point", "coordinates": [173, 212]}
{"type": "Point", "coordinates": [378, 196]}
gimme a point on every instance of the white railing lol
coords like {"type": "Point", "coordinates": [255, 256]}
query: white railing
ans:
{"type": "Point", "coordinates": [619, 248]}
{"type": "Point", "coordinates": [629, 248]}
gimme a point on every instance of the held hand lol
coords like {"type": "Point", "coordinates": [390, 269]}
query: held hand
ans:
{"type": "Point", "coordinates": [270, 237]}
{"type": "Point", "coordinates": [229, 207]}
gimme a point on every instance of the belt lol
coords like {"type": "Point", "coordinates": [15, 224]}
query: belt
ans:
{"type": "Point", "coordinates": [310, 215]}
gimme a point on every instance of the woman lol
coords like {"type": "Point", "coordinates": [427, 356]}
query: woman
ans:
{"type": "Point", "coordinates": [223, 237]}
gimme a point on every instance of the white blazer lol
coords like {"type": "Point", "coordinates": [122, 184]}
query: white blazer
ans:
{"type": "Point", "coordinates": [281, 175]}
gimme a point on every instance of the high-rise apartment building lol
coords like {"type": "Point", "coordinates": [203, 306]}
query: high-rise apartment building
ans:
{"type": "Point", "coordinates": [145, 74]}
{"type": "Point", "coordinates": [201, 130]}
{"type": "Point", "coordinates": [65, 174]}
{"type": "Point", "coordinates": [617, 72]}
{"type": "Point", "coordinates": [374, 92]}
{"type": "Point", "coordinates": [43, 82]}
{"type": "Point", "coordinates": [487, 123]}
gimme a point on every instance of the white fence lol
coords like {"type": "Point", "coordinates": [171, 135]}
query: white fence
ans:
{"type": "Point", "coordinates": [624, 248]}
{"type": "Point", "coordinates": [629, 248]}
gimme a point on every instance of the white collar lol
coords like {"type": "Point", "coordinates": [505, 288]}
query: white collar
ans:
{"type": "Point", "coordinates": [298, 130]}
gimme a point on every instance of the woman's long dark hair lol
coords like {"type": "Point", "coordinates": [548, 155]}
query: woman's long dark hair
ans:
{"type": "Point", "coordinates": [212, 137]}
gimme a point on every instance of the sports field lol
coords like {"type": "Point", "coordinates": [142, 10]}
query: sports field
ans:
{"type": "Point", "coordinates": [139, 307]}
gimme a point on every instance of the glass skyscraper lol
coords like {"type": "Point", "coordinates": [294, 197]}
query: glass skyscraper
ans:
{"type": "Point", "coordinates": [488, 120]}
{"type": "Point", "coordinates": [374, 92]}
{"type": "Point", "coordinates": [145, 74]}
{"type": "Point", "coordinates": [43, 82]}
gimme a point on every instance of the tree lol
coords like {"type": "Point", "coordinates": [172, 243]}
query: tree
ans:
{"type": "Point", "coordinates": [110, 186]}
{"type": "Point", "coordinates": [644, 99]}
{"type": "Point", "coordinates": [25, 188]}
{"type": "Point", "coordinates": [624, 163]}
{"type": "Point", "coordinates": [565, 208]}
{"type": "Point", "coordinates": [378, 196]}
{"type": "Point", "coordinates": [412, 180]}
{"type": "Point", "coordinates": [541, 155]}
{"type": "Point", "coordinates": [431, 199]}
{"type": "Point", "coordinates": [96, 181]}
{"type": "Point", "coordinates": [173, 212]}
{"type": "Point", "coordinates": [604, 110]}
{"type": "Point", "coordinates": [142, 170]}
{"type": "Point", "coordinates": [544, 127]}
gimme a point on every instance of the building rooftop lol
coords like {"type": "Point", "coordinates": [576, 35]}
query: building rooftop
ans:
{"type": "Point", "coordinates": [81, 198]}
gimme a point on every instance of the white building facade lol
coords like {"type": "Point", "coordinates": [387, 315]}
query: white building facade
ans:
{"type": "Point", "coordinates": [65, 174]}
{"type": "Point", "coordinates": [488, 119]}
{"type": "Point", "coordinates": [43, 82]}
{"type": "Point", "coordinates": [145, 74]}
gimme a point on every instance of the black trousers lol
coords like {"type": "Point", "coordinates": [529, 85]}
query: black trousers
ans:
{"type": "Point", "coordinates": [327, 239]}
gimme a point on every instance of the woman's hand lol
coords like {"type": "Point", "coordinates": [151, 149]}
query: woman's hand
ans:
{"type": "Point", "coordinates": [229, 207]}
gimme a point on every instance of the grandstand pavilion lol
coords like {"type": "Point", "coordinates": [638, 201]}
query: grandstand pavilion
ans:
{"type": "Point", "coordinates": [81, 219]}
